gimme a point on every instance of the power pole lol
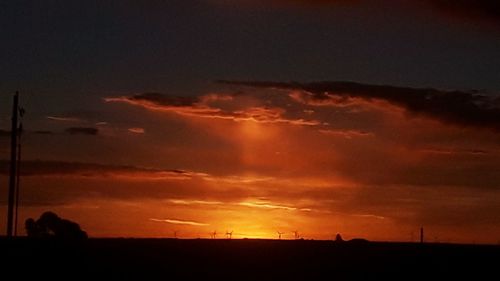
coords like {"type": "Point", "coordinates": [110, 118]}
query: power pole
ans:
{"type": "Point", "coordinates": [18, 175]}
{"type": "Point", "coordinates": [13, 165]}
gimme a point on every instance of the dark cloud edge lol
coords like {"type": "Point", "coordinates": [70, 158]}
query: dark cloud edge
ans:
{"type": "Point", "coordinates": [462, 108]}
{"type": "Point", "coordinates": [47, 168]}
{"type": "Point", "coordinates": [72, 131]}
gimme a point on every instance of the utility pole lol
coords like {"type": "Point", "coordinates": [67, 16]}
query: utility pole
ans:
{"type": "Point", "coordinates": [13, 165]}
{"type": "Point", "coordinates": [18, 172]}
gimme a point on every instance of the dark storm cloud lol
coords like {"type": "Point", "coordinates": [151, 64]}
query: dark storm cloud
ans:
{"type": "Point", "coordinates": [82, 131]}
{"type": "Point", "coordinates": [464, 108]}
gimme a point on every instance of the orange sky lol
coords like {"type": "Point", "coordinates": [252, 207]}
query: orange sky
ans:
{"type": "Point", "coordinates": [256, 161]}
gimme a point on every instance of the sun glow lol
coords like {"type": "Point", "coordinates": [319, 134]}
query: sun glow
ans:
{"type": "Point", "coordinates": [253, 131]}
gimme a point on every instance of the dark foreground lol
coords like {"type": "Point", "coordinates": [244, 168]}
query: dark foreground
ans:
{"type": "Point", "coordinates": [233, 260]}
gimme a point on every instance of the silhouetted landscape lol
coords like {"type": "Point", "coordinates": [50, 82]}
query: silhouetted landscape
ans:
{"type": "Point", "coordinates": [252, 140]}
{"type": "Point", "coordinates": [249, 259]}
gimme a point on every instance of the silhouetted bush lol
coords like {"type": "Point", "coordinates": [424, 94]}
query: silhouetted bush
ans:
{"type": "Point", "coordinates": [51, 225]}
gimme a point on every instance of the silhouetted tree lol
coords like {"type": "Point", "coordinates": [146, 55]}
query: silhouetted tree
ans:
{"type": "Point", "coordinates": [51, 225]}
{"type": "Point", "coordinates": [338, 238]}
{"type": "Point", "coordinates": [32, 229]}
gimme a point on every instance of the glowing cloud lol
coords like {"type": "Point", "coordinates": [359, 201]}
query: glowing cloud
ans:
{"type": "Point", "coordinates": [268, 205]}
{"type": "Point", "coordinates": [369, 216]}
{"type": "Point", "coordinates": [64, 119]}
{"type": "Point", "coordinates": [348, 134]}
{"type": "Point", "coordinates": [194, 202]}
{"type": "Point", "coordinates": [181, 222]}
{"type": "Point", "coordinates": [136, 130]}
{"type": "Point", "coordinates": [205, 107]}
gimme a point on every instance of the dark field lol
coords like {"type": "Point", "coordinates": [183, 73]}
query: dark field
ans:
{"type": "Point", "coordinates": [201, 259]}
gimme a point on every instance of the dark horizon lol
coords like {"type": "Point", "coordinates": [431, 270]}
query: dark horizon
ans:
{"type": "Point", "coordinates": [129, 259]}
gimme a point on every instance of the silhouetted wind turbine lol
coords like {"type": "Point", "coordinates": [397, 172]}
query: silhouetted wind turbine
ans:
{"type": "Point", "coordinates": [279, 235]}
{"type": "Point", "coordinates": [229, 235]}
{"type": "Point", "coordinates": [175, 234]}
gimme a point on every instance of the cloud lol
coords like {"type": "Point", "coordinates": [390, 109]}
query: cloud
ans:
{"type": "Point", "coordinates": [455, 151]}
{"type": "Point", "coordinates": [242, 179]}
{"type": "Point", "coordinates": [91, 170]}
{"type": "Point", "coordinates": [58, 183]}
{"type": "Point", "coordinates": [194, 202]}
{"type": "Point", "coordinates": [182, 222]}
{"type": "Point", "coordinates": [268, 205]}
{"type": "Point", "coordinates": [463, 108]}
{"type": "Point", "coordinates": [190, 106]}
{"type": "Point", "coordinates": [64, 119]}
{"type": "Point", "coordinates": [348, 134]}
{"type": "Point", "coordinates": [206, 107]}
{"type": "Point", "coordinates": [369, 216]}
{"type": "Point", "coordinates": [136, 130]}
{"type": "Point", "coordinates": [82, 131]}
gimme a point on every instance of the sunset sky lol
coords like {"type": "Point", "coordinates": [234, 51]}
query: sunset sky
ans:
{"type": "Point", "coordinates": [365, 118]}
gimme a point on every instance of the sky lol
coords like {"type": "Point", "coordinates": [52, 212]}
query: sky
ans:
{"type": "Point", "coordinates": [149, 118]}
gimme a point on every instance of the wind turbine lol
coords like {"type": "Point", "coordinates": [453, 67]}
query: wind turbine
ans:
{"type": "Point", "coordinates": [296, 234]}
{"type": "Point", "coordinates": [279, 235]}
{"type": "Point", "coordinates": [229, 235]}
{"type": "Point", "coordinates": [175, 234]}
